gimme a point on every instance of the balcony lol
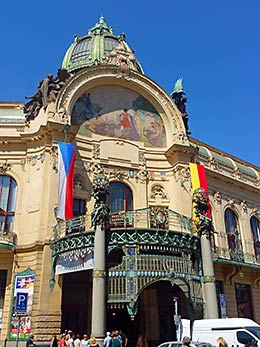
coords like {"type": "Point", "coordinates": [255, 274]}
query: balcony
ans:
{"type": "Point", "coordinates": [8, 240]}
{"type": "Point", "coordinates": [152, 229]}
{"type": "Point", "coordinates": [241, 255]}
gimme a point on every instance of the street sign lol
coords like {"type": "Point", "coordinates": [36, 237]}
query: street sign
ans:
{"type": "Point", "coordinates": [21, 302]}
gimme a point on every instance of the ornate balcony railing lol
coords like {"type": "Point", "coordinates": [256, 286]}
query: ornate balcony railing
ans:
{"type": "Point", "coordinates": [236, 256]}
{"type": "Point", "coordinates": [137, 219]}
{"type": "Point", "coordinates": [8, 240]}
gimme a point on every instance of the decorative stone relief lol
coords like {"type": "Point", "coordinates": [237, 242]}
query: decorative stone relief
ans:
{"type": "Point", "coordinates": [94, 168]}
{"type": "Point", "coordinates": [159, 217]}
{"type": "Point", "coordinates": [96, 151]}
{"type": "Point", "coordinates": [35, 158]}
{"type": "Point", "coordinates": [256, 212]}
{"type": "Point", "coordinates": [218, 197]}
{"type": "Point", "coordinates": [79, 182]}
{"type": "Point", "coordinates": [62, 115]}
{"type": "Point", "coordinates": [238, 173]}
{"type": "Point", "coordinates": [54, 158]}
{"type": "Point", "coordinates": [231, 202]}
{"type": "Point", "coordinates": [182, 137]}
{"type": "Point", "coordinates": [158, 191]}
{"type": "Point", "coordinates": [142, 160]}
{"type": "Point", "coordinates": [181, 173]}
{"type": "Point", "coordinates": [213, 164]}
{"type": "Point", "coordinates": [142, 174]}
{"type": "Point", "coordinates": [243, 205]}
{"type": "Point", "coordinates": [118, 174]}
{"type": "Point", "coordinates": [5, 167]}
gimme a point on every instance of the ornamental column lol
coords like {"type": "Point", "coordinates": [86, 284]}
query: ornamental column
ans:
{"type": "Point", "coordinates": [205, 229]}
{"type": "Point", "coordinates": [99, 216]}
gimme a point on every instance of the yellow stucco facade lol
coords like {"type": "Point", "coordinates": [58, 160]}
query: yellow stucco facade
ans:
{"type": "Point", "coordinates": [155, 168]}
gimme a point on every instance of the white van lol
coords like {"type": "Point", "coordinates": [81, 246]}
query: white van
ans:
{"type": "Point", "coordinates": [236, 331]}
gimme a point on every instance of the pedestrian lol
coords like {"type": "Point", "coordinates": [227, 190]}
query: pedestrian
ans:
{"type": "Point", "coordinates": [115, 341]}
{"type": "Point", "coordinates": [77, 342]}
{"type": "Point", "coordinates": [93, 342]}
{"type": "Point", "coordinates": [85, 341]}
{"type": "Point", "coordinates": [63, 341]}
{"type": "Point", "coordinates": [186, 341]}
{"type": "Point", "coordinates": [123, 338]}
{"type": "Point", "coordinates": [54, 341]}
{"type": "Point", "coordinates": [70, 340]}
{"type": "Point", "coordinates": [107, 339]}
{"type": "Point", "coordinates": [222, 342]}
{"type": "Point", "coordinates": [30, 342]}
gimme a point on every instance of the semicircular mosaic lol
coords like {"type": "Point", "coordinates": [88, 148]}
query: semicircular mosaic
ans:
{"type": "Point", "coordinates": [118, 112]}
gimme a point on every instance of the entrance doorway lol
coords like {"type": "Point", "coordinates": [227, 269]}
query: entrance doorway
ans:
{"type": "Point", "coordinates": [155, 315]}
{"type": "Point", "coordinates": [76, 302]}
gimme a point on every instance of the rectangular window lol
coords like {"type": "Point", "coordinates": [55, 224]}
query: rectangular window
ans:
{"type": "Point", "coordinates": [244, 302]}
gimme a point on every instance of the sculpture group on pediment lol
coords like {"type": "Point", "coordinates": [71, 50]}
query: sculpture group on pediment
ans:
{"type": "Point", "coordinates": [122, 58]}
{"type": "Point", "coordinates": [47, 91]}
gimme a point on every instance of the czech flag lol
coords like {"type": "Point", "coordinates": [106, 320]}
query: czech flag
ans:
{"type": "Point", "coordinates": [198, 180]}
{"type": "Point", "coordinates": [66, 160]}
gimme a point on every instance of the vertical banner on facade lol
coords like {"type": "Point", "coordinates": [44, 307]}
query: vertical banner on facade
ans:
{"type": "Point", "coordinates": [23, 284]}
{"type": "Point", "coordinates": [66, 160]}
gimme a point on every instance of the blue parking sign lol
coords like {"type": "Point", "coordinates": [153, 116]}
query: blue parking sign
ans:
{"type": "Point", "coordinates": [21, 302]}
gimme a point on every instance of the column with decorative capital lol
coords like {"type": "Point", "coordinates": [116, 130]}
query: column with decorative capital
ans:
{"type": "Point", "coordinates": [205, 229]}
{"type": "Point", "coordinates": [100, 217]}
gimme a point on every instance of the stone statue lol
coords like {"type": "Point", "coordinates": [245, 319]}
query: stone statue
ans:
{"type": "Point", "coordinates": [46, 86]}
{"type": "Point", "coordinates": [32, 107]}
{"type": "Point", "coordinates": [100, 213]}
{"type": "Point", "coordinates": [179, 98]}
{"type": "Point", "coordinates": [47, 91]}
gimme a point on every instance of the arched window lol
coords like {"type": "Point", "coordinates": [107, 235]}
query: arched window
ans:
{"type": "Point", "coordinates": [255, 229]}
{"type": "Point", "coordinates": [120, 197]}
{"type": "Point", "coordinates": [8, 192]}
{"type": "Point", "coordinates": [232, 231]}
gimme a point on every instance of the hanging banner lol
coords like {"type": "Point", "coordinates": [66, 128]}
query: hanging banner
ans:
{"type": "Point", "coordinates": [23, 284]}
{"type": "Point", "coordinates": [66, 160]}
{"type": "Point", "coordinates": [72, 261]}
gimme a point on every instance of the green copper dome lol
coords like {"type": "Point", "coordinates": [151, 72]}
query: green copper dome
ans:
{"type": "Point", "coordinates": [100, 46]}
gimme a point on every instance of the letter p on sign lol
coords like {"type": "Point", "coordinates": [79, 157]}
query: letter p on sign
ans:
{"type": "Point", "coordinates": [21, 302]}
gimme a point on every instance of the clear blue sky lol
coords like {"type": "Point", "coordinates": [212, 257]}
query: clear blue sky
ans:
{"type": "Point", "coordinates": [213, 45]}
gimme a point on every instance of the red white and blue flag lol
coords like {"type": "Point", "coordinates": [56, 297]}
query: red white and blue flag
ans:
{"type": "Point", "coordinates": [66, 160]}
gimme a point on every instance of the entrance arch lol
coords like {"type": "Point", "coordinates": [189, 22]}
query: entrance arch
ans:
{"type": "Point", "coordinates": [155, 315]}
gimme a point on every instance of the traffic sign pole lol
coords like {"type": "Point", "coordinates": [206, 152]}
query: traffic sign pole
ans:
{"type": "Point", "coordinates": [18, 330]}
